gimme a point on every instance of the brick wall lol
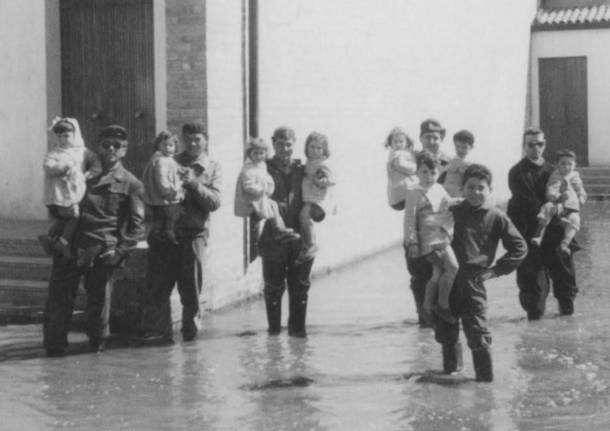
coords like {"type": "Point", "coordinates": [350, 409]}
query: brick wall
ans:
{"type": "Point", "coordinates": [186, 65]}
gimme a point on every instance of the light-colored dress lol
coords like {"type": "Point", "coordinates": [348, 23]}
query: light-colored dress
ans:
{"type": "Point", "coordinates": [428, 222]}
{"type": "Point", "coordinates": [401, 169]}
{"type": "Point", "coordinates": [322, 196]}
{"type": "Point", "coordinates": [253, 190]}
{"type": "Point", "coordinates": [65, 169]}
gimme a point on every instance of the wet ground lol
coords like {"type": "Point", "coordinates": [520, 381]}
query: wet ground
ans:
{"type": "Point", "coordinates": [359, 369]}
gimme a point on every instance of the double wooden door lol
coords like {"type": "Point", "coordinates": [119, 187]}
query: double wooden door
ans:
{"type": "Point", "coordinates": [107, 57]}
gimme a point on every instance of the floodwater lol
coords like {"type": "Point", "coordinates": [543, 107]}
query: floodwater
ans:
{"type": "Point", "coordinates": [359, 369]}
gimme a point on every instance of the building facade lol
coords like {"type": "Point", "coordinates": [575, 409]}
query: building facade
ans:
{"type": "Point", "coordinates": [352, 70]}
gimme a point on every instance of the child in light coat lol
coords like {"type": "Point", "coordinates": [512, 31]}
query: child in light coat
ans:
{"type": "Point", "coordinates": [400, 167]}
{"type": "Point", "coordinates": [67, 167]}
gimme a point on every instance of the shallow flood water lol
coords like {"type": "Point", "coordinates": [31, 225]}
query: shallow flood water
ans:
{"type": "Point", "coordinates": [358, 370]}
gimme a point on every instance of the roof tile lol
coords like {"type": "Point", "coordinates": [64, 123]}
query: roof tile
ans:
{"type": "Point", "coordinates": [571, 16]}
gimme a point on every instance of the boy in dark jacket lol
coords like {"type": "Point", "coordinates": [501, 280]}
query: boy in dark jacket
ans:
{"type": "Point", "coordinates": [479, 227]}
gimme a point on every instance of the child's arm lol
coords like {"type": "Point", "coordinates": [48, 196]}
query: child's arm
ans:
{"type": "Point", "coordinates": [579, 188]}
{"type": "Point", "coordinates": [404, 164]}
{"type": "Point", "coordinates": [411, 239]}
{"type": "Point", "coordinates": [54, 165]}
{"type": "Point", "coordinates": [323, 177]}
{"type": "Point", "coordinates": [161, 177]}
{"type": "Point", "coordinates": [251, 184]}
{"type": "Point", "coordinates": [513, 243]}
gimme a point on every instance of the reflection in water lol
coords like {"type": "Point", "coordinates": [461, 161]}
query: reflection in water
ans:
{"type": "Point", "coordinates": [359, 369]}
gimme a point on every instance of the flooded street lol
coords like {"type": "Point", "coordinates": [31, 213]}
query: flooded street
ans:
{"type": "Point", "coordinates": [358, 370]}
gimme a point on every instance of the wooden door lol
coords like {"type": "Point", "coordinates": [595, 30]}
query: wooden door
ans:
{"type": "Point", "coordinates": [108, 70]}
{"type": "Point", "coordinates": [563, 105]}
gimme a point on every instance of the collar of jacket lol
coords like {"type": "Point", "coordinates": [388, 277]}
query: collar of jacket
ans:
{"type": "Point", "coordinates": [203, 160]}
{"type": "Point", "coordinates": [115, 174]}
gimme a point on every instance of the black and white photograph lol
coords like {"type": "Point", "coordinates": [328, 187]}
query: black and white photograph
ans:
{"type": "Point", "coordinates": [319, 215]}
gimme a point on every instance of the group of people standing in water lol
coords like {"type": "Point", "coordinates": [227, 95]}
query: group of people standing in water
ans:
{"type": "Point", "coordinates": [451, 228]}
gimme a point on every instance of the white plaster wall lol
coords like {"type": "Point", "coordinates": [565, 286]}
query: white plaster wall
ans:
{"type": "Point", "coordinates": [594, 45]}
{"type": "Point", "coordinates": [355, 68]}
{"type": "Point", "coordinates": [23, 108]}
{"type": "Point", "coordinates": [225, 278]}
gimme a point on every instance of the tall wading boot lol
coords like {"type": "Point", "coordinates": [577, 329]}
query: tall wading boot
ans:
{"type": "Point", "coordinates": [452, 358]}
{"type": "Point", "coordinates": [296, 320]}
{"type": "Point", "coordinates": [481, 359]}
{"type": "Point", "coordinates": [273, 304]}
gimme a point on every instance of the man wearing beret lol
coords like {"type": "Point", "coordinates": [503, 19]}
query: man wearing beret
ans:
{"type": "Point", "coordinates": [279, 255]}
{"type": "Point", "coordinates": [110, 225]}
{"type": "Point", "coordinates": [182, 264]}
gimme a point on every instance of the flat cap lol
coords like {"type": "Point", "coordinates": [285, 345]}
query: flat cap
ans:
{"type": "Point", "coordinates": [283, 133]}
{"type": "Point", "coordinates": [113, 131]}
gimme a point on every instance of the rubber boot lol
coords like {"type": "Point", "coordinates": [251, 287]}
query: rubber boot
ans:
{"type": "Point", "coordinates": [273, 304]}
{"type": "Point", "coordinates": [481, 359]}
{"type": "Point", "coordinates": [452, 358]}
{"type": "Point", "coordinates": [296, 319]}
{"type": "Point", "coordinates": [566, 307]}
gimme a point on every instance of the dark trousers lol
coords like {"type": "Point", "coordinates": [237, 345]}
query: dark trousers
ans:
{"type": "Point", "coordinates": [421, 271]}
{"type": "Point", "coordinates": [63, 284]}
{"type": "Point", "coordinates": [541, 267]}
{"type": "Point", "coordinates": [468, 301]}
{"type": "Point", "coordinates": [279, 271]}
{"type": "Point", "coordinates": [172, 265]}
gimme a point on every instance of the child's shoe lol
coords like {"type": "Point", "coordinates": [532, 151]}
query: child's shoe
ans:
{"type": "Point", "coordinates": [565, 248]}
{"type": "Point", "coordinates": [46, 243]}
{"type": "Point", "coordinates": [445, 314]}
{"type": "Point", "coordinates": [306, 254]}
{"type": "Point", "coordinates": [286, 235]}
{"type": "Point", "coordinates": [62, 247]}
{"type": "Point", "coordinates": [536, 241]}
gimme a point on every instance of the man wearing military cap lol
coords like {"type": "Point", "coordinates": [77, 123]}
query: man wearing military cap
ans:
{"type": "Point", "coordinates": [110, 225]}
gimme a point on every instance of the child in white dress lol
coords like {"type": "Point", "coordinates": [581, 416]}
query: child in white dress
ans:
{"type": "Point", "coordinates": [400, 167]}
{"type": "Point", "coordinates": [254, 188]}
{"type": "Point", "coordinates": [67, 167]}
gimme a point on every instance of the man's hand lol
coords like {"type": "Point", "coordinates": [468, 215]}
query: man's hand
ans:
{"type": "Point", "coordinates": [485, 275]}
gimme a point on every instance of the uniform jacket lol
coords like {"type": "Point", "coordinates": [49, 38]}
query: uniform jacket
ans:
{"type": "Point", "coordinates": [527, 182]}
{"type": "Point", "coordinates": [112, 211]}
{"type": "Point", "coordinates": [201, 201]}
{"type": "Point", "coordinates": [477, 232]}
{"type": "Point", "coordinates": [162, 180]}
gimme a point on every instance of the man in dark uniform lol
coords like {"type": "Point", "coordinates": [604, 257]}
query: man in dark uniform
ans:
{"type": "Point", "coordinates": [111, 222]}
{"type": "Point", "coordinates": [527, 181]}
{"type": "Point", "coordinates": [183, 263]}
{"type": "Point", "coordinates": [279, 254]}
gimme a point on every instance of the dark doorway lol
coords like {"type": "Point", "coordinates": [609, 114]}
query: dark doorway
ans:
{"type": "Point", "coordinates": [107, 55]}
{"type": "Point", "coordinates": [563, 105]}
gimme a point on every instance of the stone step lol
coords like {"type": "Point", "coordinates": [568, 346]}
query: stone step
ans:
{"type": "Point", "coordinates": [25, 267]}
{"type": "Point", "coordinates": [599, 179]}
{"type": "Point", "coordinates": [594, 171]}
{"type": "Point", "coordinates": [21, 247]}
{"type": "Point", "coordinates": [30, 293]}
{"type": "Point", "coordinates": [597, 189]}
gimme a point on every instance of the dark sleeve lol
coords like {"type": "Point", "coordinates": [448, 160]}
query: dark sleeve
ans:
{"type": "Point", "coordinates": [514, 244]}
{"type": "Point", "coordinates": [133, 229]}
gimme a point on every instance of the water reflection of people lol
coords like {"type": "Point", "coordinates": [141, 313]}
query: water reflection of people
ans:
{"type": "Point", "coordinates": [111, 222]}
{"type": "Point", "coordinates": [527, 181]}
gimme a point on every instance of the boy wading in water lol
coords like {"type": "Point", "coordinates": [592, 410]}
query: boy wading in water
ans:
{"type": "Point", "coordinates": [479, 227]}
